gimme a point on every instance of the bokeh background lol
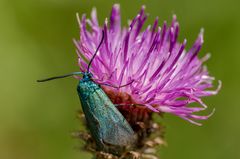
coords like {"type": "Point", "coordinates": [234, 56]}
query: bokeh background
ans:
{"type": "Point", "coordinates": [36, 41]}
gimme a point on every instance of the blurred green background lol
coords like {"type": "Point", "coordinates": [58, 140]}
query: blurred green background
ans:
{"type": "Point", "coordinates": [36, 41]}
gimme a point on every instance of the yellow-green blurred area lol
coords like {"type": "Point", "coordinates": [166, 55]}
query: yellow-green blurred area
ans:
{"type": "Point", "coordinates": [36, 119]}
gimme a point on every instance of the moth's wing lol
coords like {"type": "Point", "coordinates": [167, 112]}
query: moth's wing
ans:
{"type": "Point", "coordinates": [115, 129]}
{"type": "Point", "coordinates": [119, 131]}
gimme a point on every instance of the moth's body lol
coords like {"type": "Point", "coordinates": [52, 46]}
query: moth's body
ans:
{"type": "Point", "coordinates": [106, 124]}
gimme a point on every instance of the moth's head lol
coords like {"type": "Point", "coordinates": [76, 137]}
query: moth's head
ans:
{"type": "Point", "coordinates": [87, 75]}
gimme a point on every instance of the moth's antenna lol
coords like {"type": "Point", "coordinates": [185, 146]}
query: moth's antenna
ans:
{"type": "Point", "coordinates": [57, 77]}
{"type": "Point", "coordinates": [96, 51]}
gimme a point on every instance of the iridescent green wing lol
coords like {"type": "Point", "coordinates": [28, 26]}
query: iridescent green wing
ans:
{"type": "Point", "coordinates": [113, 127]}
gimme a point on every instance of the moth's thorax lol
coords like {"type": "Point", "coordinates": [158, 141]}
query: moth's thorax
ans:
{"type": "Point", "coordinates": [86, 86]}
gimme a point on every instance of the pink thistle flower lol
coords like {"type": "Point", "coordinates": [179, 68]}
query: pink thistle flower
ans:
{"type": "Point", "coordinates": [166, 77]}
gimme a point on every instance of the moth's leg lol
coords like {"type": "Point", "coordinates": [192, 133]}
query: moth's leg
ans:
{"type": "Point", "coordinates": [117, 105]}
{"type": "Point", "coordinates": [117, 87]}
